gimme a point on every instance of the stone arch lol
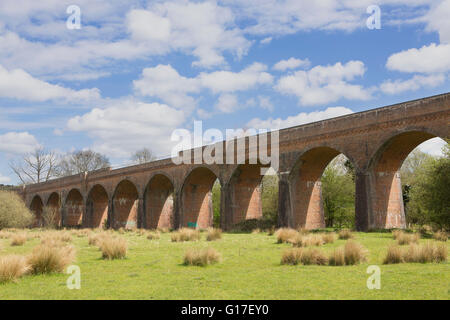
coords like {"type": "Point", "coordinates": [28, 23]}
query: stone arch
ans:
{"type": "Point", "coordinates": [386, 208]}
{"type": "Point", "coordinates": [158, 202]}
{"type": "Point", "coordinates": [125, 205]}
{"type": "Point", "coordinates": [97, 206]}
{"type": "Point", "coordinates": [37, 207]}
{"type": "Point", "coordinates": [54, 207]}
{"type": "Point", "coordinates": [306, 192]}
{"type": "Point", "coordinates": [74, 208]}
{"type": "Point", "coordinates": [196, 198]}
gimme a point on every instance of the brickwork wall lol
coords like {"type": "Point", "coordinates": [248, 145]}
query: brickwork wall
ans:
{"type": "Point", "coordinates": [159, 203]}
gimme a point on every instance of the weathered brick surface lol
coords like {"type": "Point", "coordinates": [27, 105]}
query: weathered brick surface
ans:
{"type": "Point", "coordinates": [376, 142]}
{"type": "Point", "coordinates": [97, 207]}
{"type": "Point", "coordinates": [54, 204]}
{"type": "Point", "coordinates": [36, 208]}
{"type": "Point", "coordinates": [125, 204]}
{"type": "Point", "coordinates": [159, 203]}
{"type": "Point", "coordinates": [74, 207]}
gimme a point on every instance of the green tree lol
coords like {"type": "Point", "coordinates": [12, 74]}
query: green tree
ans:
{"type": "Point", "coordinates": [269, 198]}
{"type": "Point", "coordinates": [216, 203]}
{"type": "Point", "coordinates": [13, 211]}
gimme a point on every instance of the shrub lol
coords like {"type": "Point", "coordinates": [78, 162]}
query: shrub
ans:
{"type": "Point", "coordinates": [13, 267]}
{"type": "Point", "coordinates": [13, 211]}
{"type": "Point", "coordinates": [50, 258]}
{"type": "Point", "coordinates": [354, 253]}
{"type": "Point", "coordinates": [396, 233]}
{"type": "Point", "coordinates": [285, 234]}
{"type": "Point", "coordinates": [407, 238]}
{"type": "Point", "coordinates": [292, 256]}
{"type": "Point", "coordinates": [153, 236]}
{"type": "Point", "coordinates": [18, 239]}
{"type": "Point", "coordinates": [394, 255]}
{"type": "Point", "coordinates": [329, 237]}
{"type": "Point", "coordinates": [337, 257]}
{"type": "Point", "coordinates": [304, 256]}
{"type": "Point", "coordinates": [345, 234]}
{"type": "Point", "coordinates": [113, 248]}
{"type": "Point", "coordinates": [5, 234]}
{"type": "Point", "coordinates": [440, 236]}
{"type": "Point", "coordinates": [201, 257]}
{"type": "Point", "coordinates": [95, 239]}
{"type": "Point", "coordinates": [50, 216]}
{"type": "Point", "coordinates": [185, 234]}
{"type": "Point", "coordinates": [214, 234]}
{"type": "Point", "coordinates": [307, 240]}
{"type": "Point", "coordinates": [256, 231]}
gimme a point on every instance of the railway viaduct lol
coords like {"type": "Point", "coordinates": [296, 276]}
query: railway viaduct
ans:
{"type": "Point", "coordinates": [162, 194]}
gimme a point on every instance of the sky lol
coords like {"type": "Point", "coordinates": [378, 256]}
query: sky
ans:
{"type": "Point", "coordinates": [118, 76]}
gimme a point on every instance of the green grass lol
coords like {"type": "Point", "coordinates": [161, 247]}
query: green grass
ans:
{"type": "Point", "coordinates": [250, 269]}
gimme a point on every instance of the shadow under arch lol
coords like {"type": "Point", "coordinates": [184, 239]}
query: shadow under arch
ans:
{"type": "Point", "coordinates": [386, 198]}
{"type": "Point", "coordinates": [196, 198]}
{"type": "Point", "coordinates": [97, 206]}
{"type": "Point", "coordinates": [74, 206]}
{"type": "Point", "coordinates": [306, 191]}
{"type": "Point", "coordinates": [37, 207]}
{"type": "Point", "coordinates": [54, 208]}
{"type": "Point", "coordinates": [125, 205]}
{"type": "Point", "coordinates": [158, 202]}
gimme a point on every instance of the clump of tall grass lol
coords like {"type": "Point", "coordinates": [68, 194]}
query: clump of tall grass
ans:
{"type": "Point", "coordinates": [214, 234]}
{"type": "Point", "coordinates": [201, 257]}
{"type": "Point", "coordinates": [345, 234]}
{"type": "Point", "coordinates": [49, 258]}
{"type": "Point", "coordinates": [328, 237]}
{"type": "Point", "coordinates": [96, 238]}
{"type": "Point", "coordinates": [113, 248]}
{"type": "Point", "coordinates": [407, 238]}
{"type": "Point", "coordinates": [306, 240]}
{"type": "Point", "coordinates": [13, 267]}
{"type": "Point", "coordinates": [440, 236]}
{"type": "Point", "coordinates": [185, 234]}
{"type": "Point", "coordinates": [416, 253]}
{"type": "Point", "coordinates": [337, 257]}
{"type": "Point", "coordinates": [18, 239]}
{"type": "Point", "coordinates": [153, 235]}
{"type": "Point", "coordinates": [285, 234]}
{"type": "Point", "coordinates": [5, 234]}
{"type": "Point", "coordinates": [394, 255]}
{"type": "Point", "coordinates": [309, 256]}
{"type": "Point", "coordinates": [354, 253]}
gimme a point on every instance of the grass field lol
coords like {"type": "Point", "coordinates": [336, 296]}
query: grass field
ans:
{"type": "Point", "coordinates": [250, 269]}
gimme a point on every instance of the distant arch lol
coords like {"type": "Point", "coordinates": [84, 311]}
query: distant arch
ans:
{"type": "Point", "coordinates": [36, 207]}
{"type": "Point", "coordinates": [158, 202]}
{"type": "Point", "coordinates": [125, 205]}
{"type": "Point", "coordinates": [97, 206]}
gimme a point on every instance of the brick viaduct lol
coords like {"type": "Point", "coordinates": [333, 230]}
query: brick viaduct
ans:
{"type": "Point", "coordinates": [162, 194]}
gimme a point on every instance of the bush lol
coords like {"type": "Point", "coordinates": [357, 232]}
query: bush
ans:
{"type": "Point", "coordinates": [285, 234]}
{"type": "Point", "coordinates": [337, 257]}
{"type": "Point", "coordinates": [50, 258]}
{"type": "Point", "coordinates": [440, 236]}
{"type": "Point", "coordinates": [50, 217]}
{"type": "Point", "coordinates": [12, 267]}
{"type": "Point", "coordinates": [18, 239]}
{"type": "Point", "coordinates": [354, 253]}
{"type": "Point", "coordinates": [201, 257]}
{"type": "Point", "coordinates": [429, 252]}
{"type": "Point", "coordinates": [394, 255]}
{"type": "Point", "coordinates": [407, 238]}
{"type": "Point", "coordinates": [95, 239]}
{"type": "Point", "coordinates": [185, 234]}
{"type": "Point", "coordinates": [153, 236]}
{"type": "Point", "coordinates": [307, 240]}
{"type": "Point", "coordinates": [214, 234]}
{"type": "Point", "coordinates": [113, 248]}
{"type": "Point", "coordinates": [13, 212]}
{"type": "Point", "coordinates": [345, 234]}
{"type": "Point", "coordinates": [304, 256]}
{"type": "Point", "coordinates": [329, 237]}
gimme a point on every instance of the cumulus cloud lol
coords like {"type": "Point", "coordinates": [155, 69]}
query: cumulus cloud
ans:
{"type": "Point", "coordinates": [325, 84]}
{"type": "Point", "coordinates": [433, 146]}
{"type": "Point", "coordinates": [301, 118]}
{"type": "Point", "coordinates": [227, 103]}
{"type": "Point", "coordinates": [437, 20]}
{"type": "Point", "coordinates": [18, 84]}
{"type": "Point", "coordinates": [18, 143]}
{"type": "Point", "coordinates": [291, 63]}
{"type": "Point", "coordinates": [4, 180]}
{"type": "Point", "coordinates": [414, 83]}
{"type": "Point", "coordinates": [428, 59]}
{"type": "Point", "coordinates": [124, 127]}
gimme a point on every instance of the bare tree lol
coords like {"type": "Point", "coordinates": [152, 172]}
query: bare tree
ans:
{"type": "Point", "coordinates": [143, 156]}
{"type": "Point", "coordinates": [82, 161]}
{"type": "Point", "coordinates": [35, 167]}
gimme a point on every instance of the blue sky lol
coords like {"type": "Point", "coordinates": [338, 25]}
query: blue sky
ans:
{"type": "Point", "coordinates": [136, 71]}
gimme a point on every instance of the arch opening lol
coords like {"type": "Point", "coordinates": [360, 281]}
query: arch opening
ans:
{"type": "Point", "coordinates": [387, 192]}
{"type": "Point", "coordinates": [125, 205]}
{"type": "Point", "coordinates": [37, 207]}
{"type": "Point", "coordinates": [306, 195]}
{"type": "Point", "coordinates": [52, 211]}
{"type": "Point", "coordinates": [97, 206]}
{"type": "Point", "coordinates": [158, 203]}
{"type": "Point", "coordinates": [196, 199]}
{"type": "Point", "coordinates": [74, 209]}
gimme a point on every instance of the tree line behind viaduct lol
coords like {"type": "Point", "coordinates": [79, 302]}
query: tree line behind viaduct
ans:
{"type": "Point", "coordinates": [161, 194]}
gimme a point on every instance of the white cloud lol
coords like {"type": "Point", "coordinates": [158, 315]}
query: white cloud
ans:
{"type": "Point", "coordinates": [18, 143]}
{"type": "Point", "coordinates": [325, 84]}
{"type": "Point", "coordinates": [438, 20]}
{"type": "Point", "coordinates": [266, 40]}
{"type": "Point", "coordinates": [433, 146]}
{"type": "Point", "coordinates": [428, 59]}
{"type": "Point", "coordinates": [414, 83]}
{"type": "Point", "coordinates": [291, 63]}
{"type": "Point", "coordinates": [301, 118]}
{"type": "Point", "coordinates": [124, 127]}
{"type": "Point", "coordinates": [19, 84]}
{"type": "Point", "coordinates": [265, 103]}
{"type": "Point", "coordinates": [4, 180]}
{"type": "Point", "coordinates": [145, 25]}
{"type": "Point", "coordinates": [227, 103]}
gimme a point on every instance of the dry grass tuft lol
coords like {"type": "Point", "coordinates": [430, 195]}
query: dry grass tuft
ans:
{"type": "Point", "coordinates": [285, 234]}
{"type": "Point", "coordinates": [345, 234]}
{"type": "Point", "coordinates": [337, 257]}
{"type": "Point", "coordinates": [5, 234]}
{"type": "Point", "coordinates": [394, 255]}
{"type": "Point", "coordinates": [440, 236]}
{"type": "Point", "coordinates": [201, 257]}
{"type": "Point", "coordinates": [214, 234]}
{"type": "Point", "coordinates": [18, 239]}
{"type": "Point", "coordinates": [329, 237]}
{"type": "Point", "coordinates": [256, 231]}
{"type": "Point", "coordinates": [153, 235]}
{"type": "Point", "coordinates": [310, 256]}
{"type": "Point", "coordinates": [185, 234]}
{"type": "Point", "coordinates": [415, 253]}
{"type": "Point", "coordinates": [13, 267]}
{"type": "Point", "coordinates": [307, 240]}
{"type": "Point", "coordinates": [113, 248]}
{"type": "Point", "coordinates": [96, 238]}
{"type": "Point", "coordinates": [354, 253]}
{"type": "Point", "coordinates": [407, 238]}
{"type": "Point", "coordinates": [49, 258]}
